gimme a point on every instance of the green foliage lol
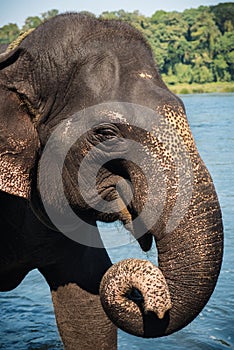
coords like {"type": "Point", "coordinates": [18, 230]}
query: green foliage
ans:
{"type": "Point", "coordinates": [224, 16]}
{"type": "Point", "coordinates": [11, 31]}
{"type": "Point", "coordinates": [87, 13]}
{"type": "Point", "coordinates": [8, 33]}
{"type": "Point", "coordinates": [49, 14]}
{"type": "Point", "coordinates": [31, 22]}
{"type": "Point", "coordinates": [193, 47]}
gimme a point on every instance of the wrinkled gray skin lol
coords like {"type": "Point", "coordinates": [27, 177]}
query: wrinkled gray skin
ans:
{"type": "Point", "coordinates": [3, 48]}
{"type": "Point", "coordinates": [66, 64]}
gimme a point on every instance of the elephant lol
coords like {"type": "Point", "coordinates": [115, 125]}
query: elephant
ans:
{"type": "Point", "coordinates": [76, 65]}
{"type": "Point", "coordinates": [3, 48]}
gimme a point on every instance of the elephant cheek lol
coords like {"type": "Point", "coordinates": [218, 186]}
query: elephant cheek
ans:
{"type": "Point", "coordinates": [135, 296]}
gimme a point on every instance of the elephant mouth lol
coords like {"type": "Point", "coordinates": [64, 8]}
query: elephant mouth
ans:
{"type": "Point", "coordinates": [121, 189]}
{"type": "Point", "coordinates": [145, 241]}
{"type": "Point", "coordinates": [128, 215]}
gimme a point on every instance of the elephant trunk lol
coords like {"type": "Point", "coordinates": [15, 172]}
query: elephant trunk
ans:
{"type": "Point", "coordinates": [189, 259]}
{"type": "Point", "coordinates": [190, 256]}
{"type": "Point", "coordinates": [122, 290]}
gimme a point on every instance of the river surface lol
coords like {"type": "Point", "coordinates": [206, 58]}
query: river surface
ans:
{"type": "Point", "coordinates": [26, 314]}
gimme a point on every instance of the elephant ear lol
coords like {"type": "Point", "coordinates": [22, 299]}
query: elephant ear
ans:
{"type": "Point", "coordinates": [19, 140]}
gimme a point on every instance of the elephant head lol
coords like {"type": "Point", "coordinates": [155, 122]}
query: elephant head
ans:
{"type": "Point", "coordinates": [50, 86]}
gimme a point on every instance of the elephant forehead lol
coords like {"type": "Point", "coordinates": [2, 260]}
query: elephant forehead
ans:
{"type": "Point", "coordinates": [116, 117]}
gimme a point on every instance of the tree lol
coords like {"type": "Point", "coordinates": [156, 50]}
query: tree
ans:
{"type": "Point", "coordinates": [184, 73]}
{"type": "Point", "coordinates": [201, 75]}
{"type": "Point", "coordinates": [157, 16]}
{"type": "Point", "coordinates": [49, 14]}
{"type": "Point", "coordinates": [87, 13]}
{"type": "Point", "coordinates": [31, 22]}
{"type": "Point", "coordinates": [196, 45]}
{"type": "Point", "coordinates": [8, 33]}
{"type": "Point", "coordinates": [205, 32]}
{"type": "Point", "coordinates": [220, 69]}
{"type": "Point", "coordinates": [224, 16]}
{"type": "Point", "coordinates": [224, 57]}
{"type": "Point", "coordinates": [34, 22]}
{"type": "Point", "coordinates": [109, 15]}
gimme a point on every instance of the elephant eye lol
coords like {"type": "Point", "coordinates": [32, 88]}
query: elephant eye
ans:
{"type": "Point", "coordinates": [106, 131]}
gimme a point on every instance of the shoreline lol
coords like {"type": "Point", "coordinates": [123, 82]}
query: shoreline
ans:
{"type": "Point", "coordinates": [184, 88]}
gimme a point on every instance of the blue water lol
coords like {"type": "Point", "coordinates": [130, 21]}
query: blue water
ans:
{"type": "Point", "coordinates": [26, 314]}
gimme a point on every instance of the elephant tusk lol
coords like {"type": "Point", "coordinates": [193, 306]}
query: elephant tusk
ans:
{"type": "Point", "coordinates": [125, 216]}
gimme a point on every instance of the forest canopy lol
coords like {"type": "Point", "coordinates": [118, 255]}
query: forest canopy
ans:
{"type": "Point", "coordinates": [193, 46]}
